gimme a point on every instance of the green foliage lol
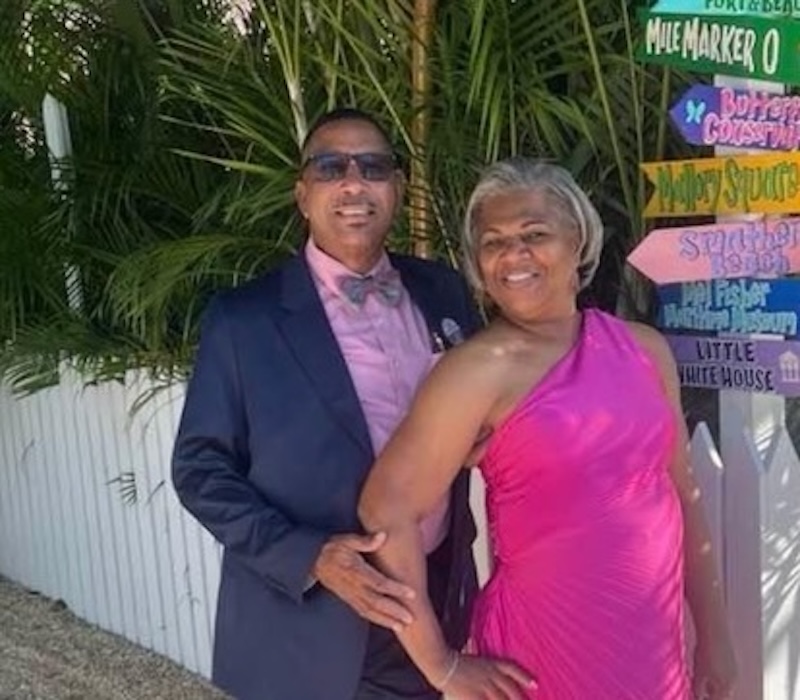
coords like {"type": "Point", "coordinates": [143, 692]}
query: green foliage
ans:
{"type": "Point", "coordinates": [186, 117]}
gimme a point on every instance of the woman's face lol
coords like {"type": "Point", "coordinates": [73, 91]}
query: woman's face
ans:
{"type": "Point", "coordinates": [528, 254]}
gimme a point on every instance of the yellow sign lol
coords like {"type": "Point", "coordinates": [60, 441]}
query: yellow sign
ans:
{"type": "Point", "coordinates": [768, 184]}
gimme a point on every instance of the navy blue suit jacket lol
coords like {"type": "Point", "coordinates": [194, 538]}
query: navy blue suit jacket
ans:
{"type": "Point", "coordinates": [271, 454]}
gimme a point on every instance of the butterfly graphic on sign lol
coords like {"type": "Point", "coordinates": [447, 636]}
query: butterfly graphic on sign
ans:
{"type": "Point", "coordinates": [694, 111]}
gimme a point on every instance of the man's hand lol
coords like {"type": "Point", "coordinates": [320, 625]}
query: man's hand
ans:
{"type": "Point", "coordinates": [342, 569]}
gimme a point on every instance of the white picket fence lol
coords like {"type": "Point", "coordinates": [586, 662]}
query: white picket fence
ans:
{"type": "Point", "coordinates": [144, 569]}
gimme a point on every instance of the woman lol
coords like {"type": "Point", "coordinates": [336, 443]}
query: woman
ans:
{"type": "Point", "coordinates": [595, 519]}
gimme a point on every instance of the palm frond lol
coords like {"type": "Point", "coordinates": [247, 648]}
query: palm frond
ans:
{"type": "Point", "coordinates": [186, 119]}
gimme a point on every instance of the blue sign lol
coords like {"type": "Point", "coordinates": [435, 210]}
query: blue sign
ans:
{"type": "Point", "coordinates": [746, 306]}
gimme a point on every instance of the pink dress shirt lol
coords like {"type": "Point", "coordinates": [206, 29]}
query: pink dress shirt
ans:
{"type": "Point", "coordinates": [387, 350]}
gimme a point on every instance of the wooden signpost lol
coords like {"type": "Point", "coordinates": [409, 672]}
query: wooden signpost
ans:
{"type": "Point", "coordinates": [745, 46]}
{"type": "Point", "coordinates": [762, 366]}
{"type": "Point", "coordinates": [721, 116]}
{"type": "Point", "coordinates": [719, 265]}
{"type": "Point", "coordinates": [767, 184]}
{"type": "Point", "coordinates": [754, 497]}
{"type": "Point", "coordinates": [744, 306]}
{"type": "Point", "coordinates": [735, 249]}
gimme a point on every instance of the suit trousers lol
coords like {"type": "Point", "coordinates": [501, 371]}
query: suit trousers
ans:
{"type": "Point", "coordinates": [389, 674]}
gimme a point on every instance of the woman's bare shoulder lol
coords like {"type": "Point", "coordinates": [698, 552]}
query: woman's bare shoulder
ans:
{"type": "Point", "coordinates": [647, 335]}
{"type": "Point", "coordinates": [481, 358]}
{"type": "Point", "coordinates": [654, 343]}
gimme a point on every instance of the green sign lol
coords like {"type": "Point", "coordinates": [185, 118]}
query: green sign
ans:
{"type": "Point", "coordinates": [750, 47]}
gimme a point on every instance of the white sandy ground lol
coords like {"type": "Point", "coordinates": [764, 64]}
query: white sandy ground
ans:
{"type": "Point", "coordinates": [46, 653]}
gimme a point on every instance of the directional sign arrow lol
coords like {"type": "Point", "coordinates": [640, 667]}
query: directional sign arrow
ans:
{"type": "Point", "coordinates": [742, 306]}
{"type": "Point", "coordinates": [721, 116]}
{"type": "Point", "coordinates": [750, 47]}
{"type": "Point", "coordinates": [738, 249]}
{"type": "Point", "coordinates": [732, 185]}
{"type": "Point", "coordinates": [763, 366]}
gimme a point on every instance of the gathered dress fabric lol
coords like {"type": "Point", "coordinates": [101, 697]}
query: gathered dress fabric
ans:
{"type": "Point", "coordinates": [586, 531]}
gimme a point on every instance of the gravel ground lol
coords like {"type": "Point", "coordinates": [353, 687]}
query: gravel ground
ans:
{"type": "Point", "coordinates": [46, 653]}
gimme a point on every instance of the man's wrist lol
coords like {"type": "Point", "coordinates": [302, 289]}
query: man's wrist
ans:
{"type": "Point", "coordinates": [315, 573]}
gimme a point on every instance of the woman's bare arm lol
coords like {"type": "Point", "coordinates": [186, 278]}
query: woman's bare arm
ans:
{"type": "Point", "coordinates": [414, 471]}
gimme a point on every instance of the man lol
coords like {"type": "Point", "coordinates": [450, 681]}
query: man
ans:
{"type": "Point", "coordinates": [300, 378]}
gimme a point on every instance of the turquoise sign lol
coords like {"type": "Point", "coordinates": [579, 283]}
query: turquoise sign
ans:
{"type": "Point", "coordinates": [761, 8]}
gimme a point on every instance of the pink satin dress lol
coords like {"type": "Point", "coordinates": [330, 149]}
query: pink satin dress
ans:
{"type": "Point", "coordinates": [586, 529]}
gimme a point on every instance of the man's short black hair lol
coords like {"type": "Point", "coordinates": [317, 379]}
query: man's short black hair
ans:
{"type": "Point", "coordinates": [343, 114]}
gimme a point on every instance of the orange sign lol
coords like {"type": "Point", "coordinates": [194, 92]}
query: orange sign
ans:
{"type": "Point", "coordinates": [767, 184]}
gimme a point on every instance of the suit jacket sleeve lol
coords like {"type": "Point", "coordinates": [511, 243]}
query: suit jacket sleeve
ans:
{"type": "Point", "coordinates": [210, 466]}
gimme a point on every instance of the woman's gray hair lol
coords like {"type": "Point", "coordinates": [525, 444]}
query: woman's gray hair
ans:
{"type": "Point", "coordinates": [521, 173]}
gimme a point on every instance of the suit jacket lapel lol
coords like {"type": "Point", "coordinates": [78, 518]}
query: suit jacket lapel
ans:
{"type": "Point", "coordinates": [306, 330]}
{"type": "Point", "coordinates": [425, 293]}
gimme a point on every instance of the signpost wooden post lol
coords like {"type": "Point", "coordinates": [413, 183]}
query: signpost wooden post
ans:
{"type": "Point", "coordinates": [758, 41]}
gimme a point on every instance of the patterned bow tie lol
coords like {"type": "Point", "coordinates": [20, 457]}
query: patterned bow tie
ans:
{"type": "Point", "coordinates": [386, 285]}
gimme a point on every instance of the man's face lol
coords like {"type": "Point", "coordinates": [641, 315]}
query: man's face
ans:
{"type": "Point", "coordinates": [349, 202]}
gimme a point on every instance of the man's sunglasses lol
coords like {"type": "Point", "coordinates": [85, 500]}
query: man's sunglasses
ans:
{"type": "Point", "coordinates": [328, 167]}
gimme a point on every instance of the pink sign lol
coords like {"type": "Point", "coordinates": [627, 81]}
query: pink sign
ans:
{"type": "Point", "coordinates": [740, 249]}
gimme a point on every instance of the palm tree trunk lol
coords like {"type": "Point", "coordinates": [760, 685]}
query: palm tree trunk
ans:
{"type": "Point", "coordinates": [420, 220]}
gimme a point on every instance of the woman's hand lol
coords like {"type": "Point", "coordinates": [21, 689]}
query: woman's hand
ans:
{"type": "Point", "coordinates": [714, 670]}
{"type": "Point", "coordinates": [482, 678]}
